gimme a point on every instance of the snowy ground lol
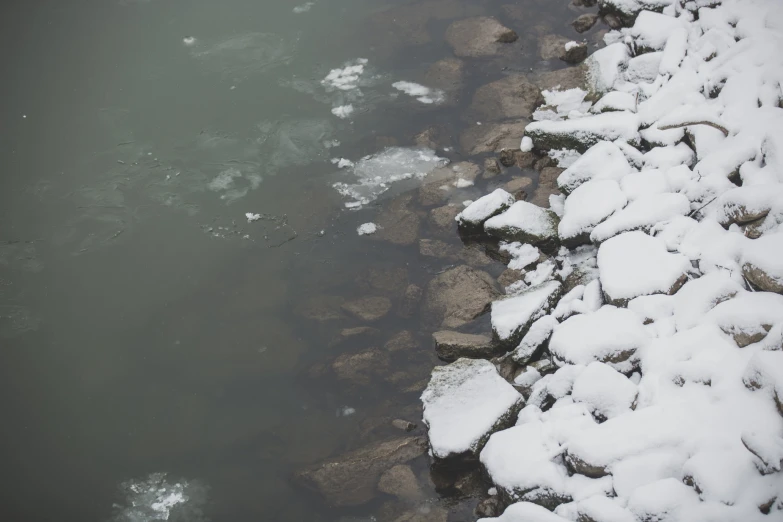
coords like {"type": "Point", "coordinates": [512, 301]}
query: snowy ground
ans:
{"type": "Point", "coordinates": [652, 369]}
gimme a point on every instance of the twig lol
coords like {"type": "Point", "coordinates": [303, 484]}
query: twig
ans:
{"type": "Point", "coordinates": [714, 125]}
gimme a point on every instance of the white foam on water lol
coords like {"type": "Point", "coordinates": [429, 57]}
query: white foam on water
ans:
{"type": "Point", "coordinates": [420, 92]}
{"type": "Point", "coordinates": [367, 228]}
{"type": "Point", "coordinates": [189, 41]}
{"type": "Point", "coordinates": [343, 111]}
{"type": "Point", "coordinates": [303, 8]}
{"type": "Point", "coordinates": [346, 78]}
{"type": "Point", "coordinates": [154, 498]}
{"type": "Point", "coordinates": [375, 173]}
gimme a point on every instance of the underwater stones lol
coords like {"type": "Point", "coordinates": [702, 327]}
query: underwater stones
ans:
{"type": "Point", "coordinates": [511, 97]}
{"type": "Point", "coordinates": [478, 36]}
{"type": "Point", "coordinates": [457, 296]}
{"type": "Point", "coordinates": [368, 308]}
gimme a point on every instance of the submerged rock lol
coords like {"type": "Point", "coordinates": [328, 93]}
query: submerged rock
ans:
{"type": "Point", "coordinates": [350, 479]}
{"type": "Point", "coordinates": [322, 308]}
{"type": "Point", "coordinates": [446, 75]}
{"type": "Point", "coordinates": [368, 308]}
{"type": "Point", "coordinates": [361, 368]}
{"type": "Point", "coordinates": [584, 22]}
{"type": "Point", "coordinates": [410, 301]}
{"type": "Point", "coordinates": [494, 137]}
{"type": "Point", "coordinates": [458, 296]}
{"type": "Point", "coordinates": [401, 342]}
{"type": "Point", "coordinates": [442, 218]}
{"type": "Point", "coordinates": [397, 223]}
{"type": "Point", "coordinates": [479, 36]}
{"type": "Point", "coordinates": [511, 97]}
{"type": "Point", "coordinates": [453, 345]}
{"type": "Point", "coordinates": [464, 403]}
{"type": "Point", "coordinates": [400, 482]}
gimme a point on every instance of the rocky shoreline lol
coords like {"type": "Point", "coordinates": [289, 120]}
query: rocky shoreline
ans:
{"type": "Point", "coordinates": [632, 365]}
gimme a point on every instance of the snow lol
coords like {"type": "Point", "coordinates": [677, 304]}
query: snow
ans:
{"type": "Point", "coordinates": [642, 213]}
{"type": "Point", "coordinates": [375, 173]}
{"type": "Point", "coordinates": [367, 228]}
{"type": "Point", "coordinates": [634, 263]}
{"type": "Point", "coordinates": [587, 131]}
{"type": "Point", "coordinates": [423, 94]}
{"type": "Point", "coordinates": [766, 255]}
{"type": "Point", "coordinates": [605, 391]}
{"type": "Point", "coordinates": [604, 160]}
{"type": "Point", "coordinates": [604, 66]}
{"type": "Point", "coordinates": [463, 403]}
{"type": "Point", "coordinates": [252, 217]}
{"type": "Point", "coordinates": [652, 30]}
{"type": "Point", "coordinates": [643, 68]}
{"type": "Point", "coordinates": [525, 512]}
{"type": "Point", "coordinates": [526, 144]}
{"type": "Point", "coordinates": [343, 111]}
{"type": "Point", "coordinates": [485, 207]}
{"type": "Point", "coordinates": [615, 101]}
{"type": "Point", "coordinates": [588, 205]}
{"type": "Point", "coordinates": [565, 102]}
{"type": "Point", "coordinates": [525, 219]}
{"type": "Point", "coordinates": [345, 78]}
{"type": "Point", "coordinates": [522, 255]}
{"type": "Point", "coordinates": [511, 317]}
{"type": "Point", "coordinates": [304, 7]}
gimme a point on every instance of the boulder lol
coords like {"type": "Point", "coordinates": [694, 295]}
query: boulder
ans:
{"type": "Point", "coordinates": [526, 223]}
{"type": "Point", "coordinates": [457, 296]}
{"type": "Point", "coordinates": [410, 301]}
{"type": "Point", "coordinates": [397, 223]}
{"type": "Point", "coordinates": [512, 317]}
{"type": "Point", "coordinates": [582, 133]}
{"type": "Point", "coordinates": [552, 47]}
{"type": "Point", "coordinates": [493, 137]}
{"type": "Point", "coordinates": [762, 263]}
{"type": "Point", "coordinates": [585, 22]}
{"type": "Point", "coordinates": [368, 308]}
{"type": "Point", "coordinates": [350, 479]}
{"type": "Point", "coordinates": [453, 345]}
{"type": "Point", "coordinates": [443, 218]}
{"type": "Point", "coordinates": [478, 36]}
{"type": "Point", "coordinates": [361, 368]}
{"type": "Point", "coordinates": [400, 481]}
{"type": "Point", "coordinates": [464, 403]}
{"type": "Point", "coordinates": [511, 97]}
{"type": "Point", "coordinates": [484, 208]}
{"type": "Point", "coordinates": [604, 160]}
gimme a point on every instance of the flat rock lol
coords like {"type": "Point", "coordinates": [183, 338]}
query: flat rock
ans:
{"type": "Point", "coordinates": [512, 317]}
{"type": "Point", "coordinates": [361, 368]}
{"type": "Point", "coordinates": [453, 345]}
{"type": "Point", "coordinates": [397, 223]}
{"type": "Point", "coordinates": [322, 308]}
{"type": "Point", "coordinates": [401, 342]}
{"type": "Point", "coordinates": [400, 481]}
{"type": "Point", "coordinates": [478, 36]}
{"type": "Point", "coordinates": [762, 263]}
{"type": "Point", "coordinates": [368, 308]}
{"type": "Point", "coordinates": [526, 223]}
{"type": "Point", "coordinates": [585, 22]}
{"type": "Point", "coordinates": [442, 182]}
{"type": "Point", "coordinates": [511, 97]}
{"type": "Point", "coordinates": [563, 79]}
{"type": "Point", "coordinates": [493, 137]}
{"type": "Point", "coordinates": [350, 479]}
{"type": "Point", "coordinates": [447, 75]}
{"type": "Point", "coordinates": [552, 47]}
{"type": "Point", "coordinates": [443, 218]}
{"type": "Point", "coordinates": [457, 296]}
{"type": "Point", "coordinates": [464, 403]}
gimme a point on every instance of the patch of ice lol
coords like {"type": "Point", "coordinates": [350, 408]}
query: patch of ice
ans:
{"type": "Point", "coordinates": [343, 111]}
{"type": "Point", "coordinates": [346, 78]}
{"type": "Point", "coordinates": [304, 7]}
{"type": "Point", "coordinates": [189, 41]}
{"type": "Point", "coordinates": [367, 228]}
{"type": "Point", "coordinates": [252, 217]}
{"type": "Point", "coordinates": [420, 92]}
{"type": "Point", "coordinates": [156, 498]}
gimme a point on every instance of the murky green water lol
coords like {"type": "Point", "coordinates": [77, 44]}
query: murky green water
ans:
{"type": "Point", "coordinates": [146, 326]}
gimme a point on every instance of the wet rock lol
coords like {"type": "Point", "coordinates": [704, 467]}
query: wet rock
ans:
{"type": "Point", "coordinates": [368, 308]}
{"type": "Point", "coordinates": [613, 21]}
{"type": "Point", "coordinates": [400, 482]}
{"type": "Point", "coordinates": [458, 296]}
{"type": "Point", "coordinates": [397, 223]}
{"type": "Point", "coordinates": [425, 513]}
{"type": "Point", "coordinates": [544, 162]}
{"type": "Point", "coordinates": [510, 276]}
{"type": "Point", "coordinates": [489, 508]}
{"type": "Point", "coordinates": [523, 160]}
{"type": "Point", "coordinates": [443, 218]}
{"type": "Point", "coordinates": [470, 484]}
{"type": "Point", "coordinates": [552, 46]}
{"type": "Point", "coordinates": [584, 3]}
{"type": "Point", "coordinates": [361, 368]}
{"type": "Point", "coordinates": [401, 342]}
{"type": "Point", "coordinates": [450, 346]}
{"type": "Point", "coordinates": [354, 333]}
{"type": "Point", "coordinates": [433, 137]}
{"type": "Point", "coordinates": [403, 425]}
{"type": "Point", "coordinates": [584, 22]}
{"type": "Point", "coordinates": [321, 308]}
{"type": "Point", "coordinates": [511, 97]}
{"type": "Point", "coordinates": [350, 479]}
{"type": "Point", "coordinates": [517, 187]}
{"type": "Point", "coordinates": [494, 137]}
{"type": "Point", "coordinates": [410, 301]}
{"type": "Point", "coordinates": [491, 168]}
{"type": "Point", "coordinates": [446, 75]}
{"type": "Point", "coordinates": [438, 249]}
{"type": "Point", "coordinates": [563, 79]}
{"type": "Point", "coordinates": [390, 281]}
{"type": "Point", "coordinates": [575, 52]}
{"type": "Point", "coordinates": [547, 186]}
{"type": "Point", "coordinates": [479, 36]}
{"type": "Point", "coordinates": [442, 182]}
{"type": "Point", "coordinates": [475, 256]}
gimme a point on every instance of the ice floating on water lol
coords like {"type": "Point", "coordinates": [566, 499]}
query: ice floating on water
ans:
{"type": "Point", "coordinates": [347, 78]}
{"type": "Point", "coordinates": [252, 217]}
{"type": "Point", "coordinates": [154, 498]}
{"type": "Point", "coordinates": [374, 173]}
{"type": "Point", "coordinates": [189, 41]}
{"type": "Point", "coordinates": [303, 8]}
{"type": "Point", "coordinates": [342, 163]}
{"type": "Point", "coordinates": [228, 182]}
{"type": "Point", "coordinates": [420, 92]}
{"type": "Point", "coordinates": [343, 111]}
{"type": "Point", "coordinates": [367, 228]}
{"type": "Point", "coordinates": [345, 411]}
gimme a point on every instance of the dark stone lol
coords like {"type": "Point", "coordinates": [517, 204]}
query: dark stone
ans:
{"type": "Point", "coordinates": [584, 22]}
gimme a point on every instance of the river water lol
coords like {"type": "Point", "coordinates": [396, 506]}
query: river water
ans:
{"type": "Point", "coordinates": [153, 343]}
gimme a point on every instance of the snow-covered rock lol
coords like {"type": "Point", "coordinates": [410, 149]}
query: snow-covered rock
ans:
{"type": "Point", "coordinates": [762, 262]}
{"type": "Point", "coordinates": [484, 208]}
{"type": "Point", "coordinates": [604, 66]}
{"type": "Point", "coordinates": [526, 223]}
{"type": "Point", "coordinates": [582, 133]}
{"type": "Point", "coordinates": [605, 391]}
{"type": "Point", "coordinates": [587, 206]}
{"type": "Point", "coordinates": [642, 214]}
{"type": "Point", "coordinates": [604, 160]}
{"type": "Point", "coordinates": [464, 403]}
{"type": "Point", "coordinates": [634, 263]}
{"type": "Point", "coordinates": [513, 316]}
{"type": "Point", "coordinates": [748, 317]}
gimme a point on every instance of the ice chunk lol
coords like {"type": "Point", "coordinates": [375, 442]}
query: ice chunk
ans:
{"type": "Point", "coordinates": [420, 92]}
{"type": "Point", "coordinates": [345, 78]}
{"type": "Point", "coordinates": [343, 111]}
{"type": "Point", "coordinates": [464, 403]}
{"type": "Point", "coordinates": [367, 228]}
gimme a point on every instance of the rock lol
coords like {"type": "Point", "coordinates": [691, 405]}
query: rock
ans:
{"type": "Point", "coordinates": [489, 508]}
{"type": "Point", "coordinates": [425, 513]}
{"type": "Point", "coordinates": [541, 163]}
{"type": "Point", "coordinates": [464, 403]}
{"type": "Point", "coordinates": [470, 484]}
{"type": "Point", "coordinates": [368, 308]}
{"type": "Point", "coordinates": [563, 79]}
{"type": "Point", "coordinates": [512, 317]}
{"type": "Point", "coordinates": [443, 181]}
{"type": "Point", "coordinates": [400, 482]}
{"type": "Point", "coordinates": [543, 366]}
{"type": "Point", "coordinates": [475, 256]}
{"type": "Point", "coordinates": [517, 187]}
{"type": "Point", "coordinates": [390, 281]}
{"type": "Point", "coordinates": [484, 208]}
{"type": "Point", "coordinates": [444, 217]}
{"type": "Point", "coordinates": [510, 276]}
{"type": "Point", "coordinates": [584, 22]}
{"type": "Point", "coordinates": [587, 206]}
{"type": "Point", "coordinates": [361, 368]}
{"type": "Point", "coordinates": [350, 479]}
{"type": "Point", "coordinates": [584, 3]}
{"type": "Point", "coordinates": [401, 342]}
{"type": "Point", "coordinates": [479, 36]}
{"type": "Point", "coordinates": [491, 168]}
{"type": "Point", "coordinates": [523, 160]}
{"type": "Point", "coordinates": [398, 224]}
{"type": "Point", "coordinates": [526, 223]}
{"type": "Point", "coordinates": [352, 333]}
{"type": "Point", "coordinates": [433, 137]}
{"type": "Point", "coordinates": [453, 345]}
{"type": "Point", "coordinates": [438, 249]}
{"type": "Point", "coordinates": [494, 137]}
{"type": "Point", "coordinates": [446, 75]}
{"type": "Point", "coordinates": [511, 97]}
{"type": "Point", "coordinates": [403, 425]}
{"type": "Point", "coordinates": [553, 47]}
{"type": "Point", "coordinates": [534, 340]}
{"type": "Point", "coordinates": [410, 301]}
{"type": "Point", "coordinates": [458, 296]}
{"type": "Point", "coordinates": [762, 263]}
{"type": "Point", "coordinates": [633, 264]}
{"type": "Point", "coordinates": [321, 308]}
{"type": "Point", "coordinates": [582, 133]}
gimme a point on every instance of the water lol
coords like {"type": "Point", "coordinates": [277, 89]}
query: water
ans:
{"type": "Point", "coordinates": [155, 358]}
